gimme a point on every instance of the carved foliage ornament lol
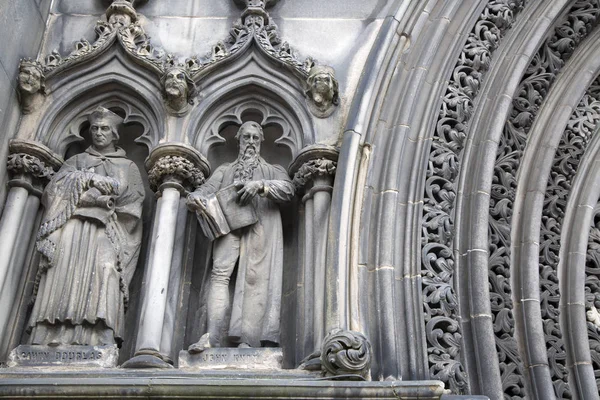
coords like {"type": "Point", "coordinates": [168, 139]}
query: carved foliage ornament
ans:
{"type": "Point", "coordinates": [539, 76]}
{"type": "Point", "coordinates": [441, 304]}
{"type": "Point", "coordinates": [176, 169]}
{"type": "Point", "coordinates": [346, 353]}
{"type": "Point", "coordinates": [178, 79]}
{"type": "Point", "coordinates": [572, 146]}
{"type": "Point", "coordinates": [313, 168]}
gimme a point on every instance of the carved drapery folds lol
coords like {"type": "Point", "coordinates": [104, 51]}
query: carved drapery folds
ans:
{"type": "Point", "coordinates": [441, 303]}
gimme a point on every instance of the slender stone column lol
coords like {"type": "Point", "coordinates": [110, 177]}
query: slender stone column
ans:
{"type": "Point", "coordinates": [31, 165]}
{"type": "Point", "coordinates": [174, 169]}
{"type": "Point", "coordinates": [313, 171]}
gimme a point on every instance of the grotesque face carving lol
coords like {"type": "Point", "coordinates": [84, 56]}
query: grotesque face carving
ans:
{"type": "Point", "coordinates": [102, 133]}
{"type": "Point", "coordinates": [175, 84]}
{"type": "Point", "coordinates": [30, 79]}
{"type": "Point", "coordinates": [322, 90]}
{"type": "Point", "coordinates": [120, 19]}
{"type": "Point", "coordinates": [178, 89]}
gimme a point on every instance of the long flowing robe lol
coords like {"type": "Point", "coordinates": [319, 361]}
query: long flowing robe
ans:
{"type": "Point", "coordinates": [87, 263]}
{"type": "Point", "coordinates": [255, 312]}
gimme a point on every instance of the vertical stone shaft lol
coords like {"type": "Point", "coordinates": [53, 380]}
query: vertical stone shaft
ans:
{"type": "Point", "coordinates": [9, 228]}
{"type": "Point", "coordinates": [321, 193]}
{"type": "Point", "coordinates": [309, 290]}
{"type": "Point", "coordinates": [159, 268]}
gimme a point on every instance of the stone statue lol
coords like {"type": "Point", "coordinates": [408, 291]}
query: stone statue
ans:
{"type": "Point", "coordinates": [257, 249]}
{"type": "Point", "coordinates": [323, 90]}
{"type": "Point", "coordinates": [178, 90]}
{"type": "Point", "coordinates": [89, 242]}
{"type": "Point", "coordinates": [31, 85]}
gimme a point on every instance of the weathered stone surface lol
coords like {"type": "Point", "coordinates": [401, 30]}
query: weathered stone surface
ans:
{"type": "Point", "coordinates": [64, 356]}
{"type": "Point", "coordinates": [233, 358]}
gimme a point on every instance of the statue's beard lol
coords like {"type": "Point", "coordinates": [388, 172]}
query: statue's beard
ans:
{"type": "Point", "coordinates": [175, 90]}
{"type": "Point", "coordinates": [246, 163]}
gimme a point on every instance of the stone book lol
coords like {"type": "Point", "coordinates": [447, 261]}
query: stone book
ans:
{"type": "Point", "coordinates": [224, 214]}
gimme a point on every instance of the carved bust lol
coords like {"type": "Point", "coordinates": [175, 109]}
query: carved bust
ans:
{"type": "Point", "coordinates": [31, 84]}
{"type": "Point", "coordinates": [178, 90]}
{"type": "Point", "coordinates": [322, 91]}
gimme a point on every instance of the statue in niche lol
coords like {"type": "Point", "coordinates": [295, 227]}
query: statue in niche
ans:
{"type": "Point", "coordinates": [31, 85]}
{"type": "Point", "coordinates": [323, 90]}
{"type": "Point", "coordinates": [89, 242]}
{"type": "Point", "coordinates": [179, 90]}
{"type": "Point", "coordinates": [257, 248]}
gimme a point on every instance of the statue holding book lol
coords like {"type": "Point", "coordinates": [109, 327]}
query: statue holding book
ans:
{"type": "Point", "coordinates": [237, 208]}
{"type": "Point", "coordinates": [89, 242]}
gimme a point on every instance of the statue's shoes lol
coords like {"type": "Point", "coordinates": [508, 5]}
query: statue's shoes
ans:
{"type": "Point", "coordinates": [200, 345]}
{"type": "Point", "coordinates": [244, 346]}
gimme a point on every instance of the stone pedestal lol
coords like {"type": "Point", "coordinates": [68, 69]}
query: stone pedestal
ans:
{"type": "Point", "coordinates": [64, 356]}
{"type": "Point", "coordinates": [233, 358]}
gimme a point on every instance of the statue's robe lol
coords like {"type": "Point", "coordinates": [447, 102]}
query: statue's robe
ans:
{"type": "Point", "coordinates": [255, 312]}
{"type": "Point", "coordinates": [87, 263]}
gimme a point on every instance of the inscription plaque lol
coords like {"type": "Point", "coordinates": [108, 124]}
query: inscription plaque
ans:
{"type": "Point", "coordinates": [36, 355]}
{"type": "Point", "coordinates": [233, 358]}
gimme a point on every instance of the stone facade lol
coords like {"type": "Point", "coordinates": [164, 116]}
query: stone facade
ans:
{"type": "Point", "coordinates": [412, 207]}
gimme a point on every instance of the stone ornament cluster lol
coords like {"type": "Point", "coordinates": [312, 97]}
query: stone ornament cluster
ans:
{"type": "Point", "coordinates": [180, 78]}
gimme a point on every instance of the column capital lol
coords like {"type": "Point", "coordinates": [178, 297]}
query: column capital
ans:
{"type": "Point", "coordinates": [31, 165]}
{"type": "Point", "coordinates": [176, 165]}
{"type": "Point", "coordinates": [313, 162]}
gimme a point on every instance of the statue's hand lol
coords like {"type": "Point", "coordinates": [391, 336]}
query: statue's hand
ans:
{"type": "Point", "coordinates": [248, 190]}
{"type": "Point", "coordinates": [105, 185]}
{"type": "Point", "coordinates": [195, 202]}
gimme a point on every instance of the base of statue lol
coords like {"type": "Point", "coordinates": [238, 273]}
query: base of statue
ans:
{"type": "Point", "coordinates": [233, 358]}
{"type": "Point", "coordinates": [64, 356]}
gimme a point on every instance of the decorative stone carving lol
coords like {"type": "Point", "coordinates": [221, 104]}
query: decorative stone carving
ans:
{"type": "Point", "coordinates": [178, 89]}
{"type": "Point", "coordinates": [258, 245]}
{"type": "Point", "coordinates": [313, 168]}
{"type": "Point", "coordinates": [592, 291]}
{"type": "Point", "coordinates": [31, 84]}
{"type": "Point", "coordinates": [322, 91]}
{"type": "Point", "coordinates": [89, 240]}
{"type": "Point", "coordinates": [177, 165]}
{"type": "Point", "coordinates": [346, 353]}
{"type": "Point", "coordinates": [31, 165]}
{"type": "Point", "coordinates": [443, 332]}
{"type": "Point", "coordinates": [573, 27]}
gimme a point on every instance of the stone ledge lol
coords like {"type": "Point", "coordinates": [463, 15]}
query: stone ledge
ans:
{"type": "Point", "coordinates": [138, 384]}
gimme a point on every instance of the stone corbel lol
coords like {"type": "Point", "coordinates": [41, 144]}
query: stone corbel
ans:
{"type": "Point", "coordinates": [345, 355]}
{"type": "Point", "coordinates": [31, 165]}
{"type": "Point", "coordinates": [314, 171]}
{"type": "Point", "coordinates": [174, 169]}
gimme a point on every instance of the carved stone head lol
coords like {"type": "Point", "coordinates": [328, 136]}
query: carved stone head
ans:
{"type": "Point", "coordinates": [104, 125]}
{"type": "Point", "coordinates": [323, 90]}
{"type": "Point", "coordinates": [30, 77]}
{"type": "Point", "coordinates": [249, 136]}
{"type": "Point", "coordinates": [121, 12]}
{"type": "Point", "coordinates": [178, 89]}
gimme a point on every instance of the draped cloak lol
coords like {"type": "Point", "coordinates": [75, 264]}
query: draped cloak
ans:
{"type": "Point", "coordinates": [255, 312]}
{"type": "Point", "coordinates": [86, 265]}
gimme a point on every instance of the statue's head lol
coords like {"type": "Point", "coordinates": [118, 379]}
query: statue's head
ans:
{"type": "Point", "coordinates": [323, 89]}
{"type": "Point", "coordinates": [104, 128]}
{"type": "Point", "coordinates": [121, 13]}
{"type": "Point", "coordinates": [249, 136]}
{"type": "Point", "coordinates": [178, 88]}
{"type": "Point", "coordinates": [30, 77]}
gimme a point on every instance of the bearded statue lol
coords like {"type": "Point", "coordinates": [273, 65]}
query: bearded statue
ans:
{"type": "Point", "coordinates": [322, 91]}
{"type": "Point", "coordinates": [178, 90]}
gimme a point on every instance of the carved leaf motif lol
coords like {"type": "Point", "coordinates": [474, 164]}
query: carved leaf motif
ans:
{"type": "Point", "coordinates": [440, 300]}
